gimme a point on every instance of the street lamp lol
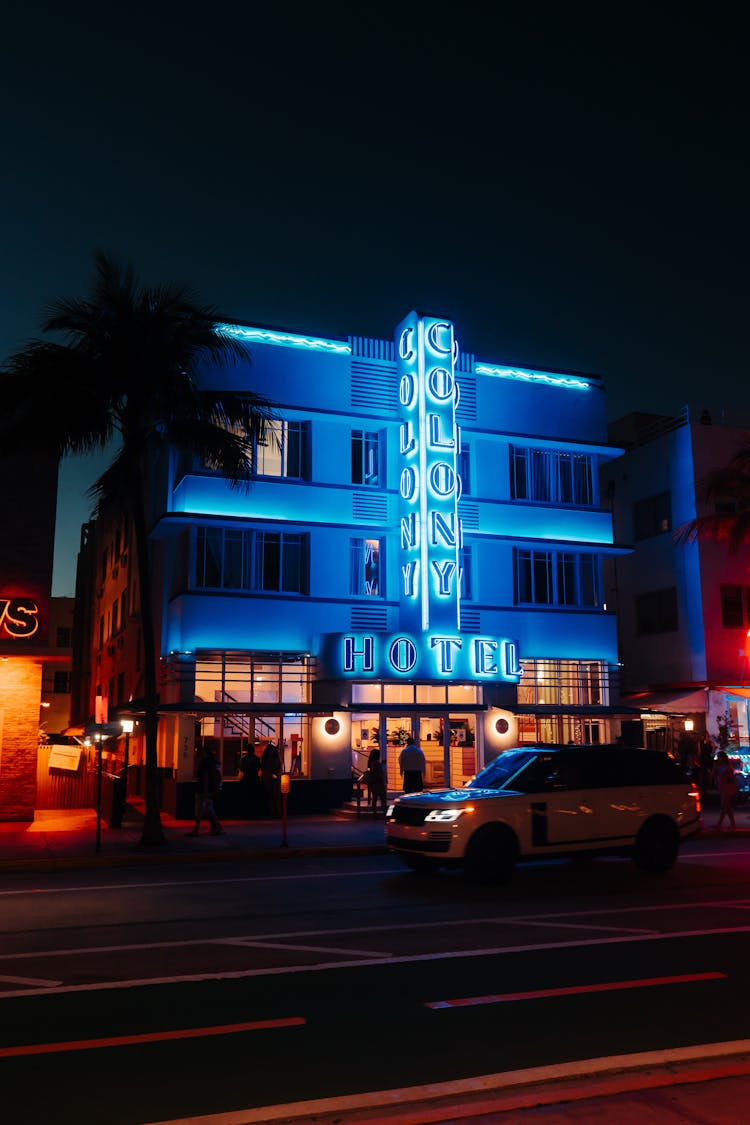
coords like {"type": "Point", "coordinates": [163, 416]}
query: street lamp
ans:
{"type": "Point", "coordinates": [127, 729]}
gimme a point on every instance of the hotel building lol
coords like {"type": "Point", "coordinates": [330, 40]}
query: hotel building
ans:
{"type": "Point", "coordinates": [420, 555]}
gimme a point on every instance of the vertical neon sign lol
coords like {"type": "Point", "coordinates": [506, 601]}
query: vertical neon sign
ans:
{"type": "Point", "coordinates": [429, 484]}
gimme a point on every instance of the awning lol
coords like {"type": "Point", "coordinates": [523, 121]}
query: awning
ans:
{"type": "Point", "coordinates": [670, 702]}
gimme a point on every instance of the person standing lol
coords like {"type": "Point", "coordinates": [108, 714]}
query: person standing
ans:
{"type": "Point", "coordinates": [412, 764]}
{"type": "Point", "coordinates": [270, 775]}
{"type": "Point", "coordinates": [705, 764]}
{"type": "Point", "coordinates": [250, 770]}
{"type": "Point", "coordinates": [207, 786]}
{"type": "Point", "coordinates": [376, 781]}
{"type": "Point", "coordinates": [727, 787]}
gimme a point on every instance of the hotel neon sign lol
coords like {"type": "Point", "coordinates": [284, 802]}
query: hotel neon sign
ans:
{"type": "Point", "coordinates": [430, 656]}
{"type": "Point", "coordinates": [19, 617]}
{"type": "Point", "coordinates": [429, 484]}
{"type": "Point", "coordinates": [430, 533]}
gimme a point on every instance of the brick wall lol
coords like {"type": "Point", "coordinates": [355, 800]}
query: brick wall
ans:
{"type": "Point", "coordinates": [20, 692]}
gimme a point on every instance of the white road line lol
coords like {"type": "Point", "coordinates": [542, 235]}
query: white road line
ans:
{"type": "Point", "coordinates": [285, 935]}
{"type": "Point", "coordinates": [30, 980]}
{"type": "Point", "coordinates": [305, 876]}
{"type": "Point", "coordinates": [318, 949]}
{"type": "Point", "coordinates": [590, 926]}
{"type": "Point", "coordinates": [410, 959]}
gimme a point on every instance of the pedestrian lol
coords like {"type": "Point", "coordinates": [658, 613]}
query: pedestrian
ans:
{"type": "Point", "coordinates": [376, 781]}
{"type": "Point", "coordinates": [270, 775]}
{"type": "Point", "coordinates": [207, 786]}
{"type": "Point", "coordinates": [411, 763]}
{"type": "Point", "coordinates": [705, 764]}
{"type": "Point", "coordinates": [727, 787]}
{"type": "Point", "coordinates": [250, 770]}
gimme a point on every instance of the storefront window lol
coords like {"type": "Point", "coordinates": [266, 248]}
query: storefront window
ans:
{"type": "Point", "coordinates": [398, 693]}
{"type": "Point", "coordinates": [366, 693]}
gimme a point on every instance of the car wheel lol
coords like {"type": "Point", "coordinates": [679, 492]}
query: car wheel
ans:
{"type": "Point", "coordinates": [421, 864]}
{"type": "Point", "coordinates": [491, 854]}
{"type": "Point", "coordinates": [656, 845]}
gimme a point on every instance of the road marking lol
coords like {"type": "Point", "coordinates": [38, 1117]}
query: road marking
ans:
{"type": "Point", "coordinates": [367, 962]}
{"type": "Point", "coordinates": [492, 920]}
{"type": "Point", "coordinates": [252, 944]}
{"type": "Point", "coordinates": [30, 980]}
{"type": "Point", "coordinates": [147, 1037]}
{"type": "Point", "coordinates": [587, 926]}
{"type": "Point", "coordinates": [119, 887]}
{"type": "Point", "coordinates": [572, 990]}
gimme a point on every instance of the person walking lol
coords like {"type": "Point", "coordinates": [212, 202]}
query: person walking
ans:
{"type": "Point", "coordinates": [412, 764]}
{"type": "Point", "coordinates": [727, 786]}
{"type": "Point", "coordinates": [207, 786]}
{"type": "Point", "coordinates": [376, 781]}
{"type": "Point", "coordinates": [270, 775]}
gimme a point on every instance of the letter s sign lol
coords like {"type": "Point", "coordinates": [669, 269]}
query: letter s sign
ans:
{"type": "Point", "coordinates": [18, 617]}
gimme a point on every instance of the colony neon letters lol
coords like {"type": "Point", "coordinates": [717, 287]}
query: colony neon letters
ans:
{"type": "Point", "coordinates": [429, 484]}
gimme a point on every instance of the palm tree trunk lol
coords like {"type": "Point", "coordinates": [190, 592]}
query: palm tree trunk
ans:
{"type": "Point", "coordinates": [153, 832]}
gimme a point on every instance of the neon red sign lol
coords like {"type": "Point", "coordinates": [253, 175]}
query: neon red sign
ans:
{"type": "Point", "coordinates": [19, 617]}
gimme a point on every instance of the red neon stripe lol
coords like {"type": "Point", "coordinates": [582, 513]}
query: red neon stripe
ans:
{"type": "Point", "coordinates": [574, 990]}
{"type": "Point", "coordinates": [147, 1037]}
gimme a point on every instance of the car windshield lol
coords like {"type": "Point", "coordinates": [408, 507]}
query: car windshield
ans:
{"type": "Point", "coordinates": [504, 768]}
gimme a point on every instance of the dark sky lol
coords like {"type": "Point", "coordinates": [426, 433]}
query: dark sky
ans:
{"type": "Point", "coordinates": [568, 183]}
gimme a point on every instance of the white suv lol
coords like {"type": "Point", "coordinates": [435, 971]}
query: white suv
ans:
{"type": "Point", "coordinates": [542, 800]}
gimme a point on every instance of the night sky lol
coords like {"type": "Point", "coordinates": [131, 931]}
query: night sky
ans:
{"type": "Point", "coordinates": [569, 189]}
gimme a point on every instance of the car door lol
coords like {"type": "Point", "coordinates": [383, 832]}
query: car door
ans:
{"type": "Point", "coordinates": [563, 811]}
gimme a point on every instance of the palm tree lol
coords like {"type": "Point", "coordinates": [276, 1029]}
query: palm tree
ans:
{"type": "Point", "coordinates": [730, 484]}
{"type": "Point", "coordinates": [127, 371]}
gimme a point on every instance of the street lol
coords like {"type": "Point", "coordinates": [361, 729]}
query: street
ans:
{"type": "Point", "coordinates": [132, 995]}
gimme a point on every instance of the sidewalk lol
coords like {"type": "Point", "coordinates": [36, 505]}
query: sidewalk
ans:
{"type": "Point", "coordinates": [66, 838]}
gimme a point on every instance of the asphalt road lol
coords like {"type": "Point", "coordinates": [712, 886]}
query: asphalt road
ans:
{"type": "Point", "coordinates": [146, 996]}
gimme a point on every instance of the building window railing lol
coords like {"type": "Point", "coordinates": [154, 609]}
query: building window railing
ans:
{"type": "Point", "coordinates": [230, 559]}
{"type": "Point", "coordinates": [551, 476]}
{"type": "Point", "coordinates": [561, 683]}
{"type": "Point", "coordinates": [556, 578]}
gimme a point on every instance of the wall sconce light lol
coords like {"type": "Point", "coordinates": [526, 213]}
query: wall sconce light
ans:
{"type": "Point", "coordinates": [689, 724]}
{"type": "Point", "coordinates": [502, 726]}
{"type": "Point", "coordinates": [332, 726]}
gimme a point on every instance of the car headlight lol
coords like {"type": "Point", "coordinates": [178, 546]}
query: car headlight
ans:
{"type": "Point", "coordinates": [447, 816]}
{"type": "Point", "coordinates": [389, 811]}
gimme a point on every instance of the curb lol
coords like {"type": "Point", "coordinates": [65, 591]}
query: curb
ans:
{"type": "Point", "coordinates": [513, 1091]}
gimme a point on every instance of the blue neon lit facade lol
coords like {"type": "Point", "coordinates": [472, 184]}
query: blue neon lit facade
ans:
{"type": "Point", "coordinates": [406, 540]}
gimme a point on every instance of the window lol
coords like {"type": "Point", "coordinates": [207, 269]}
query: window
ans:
{"type": "Point", "coordinates": [61, 683]}
{"type": "Point", "coordinates": [285, 452]}
{"type": "Point", "coordinates": [564, 683]}
{"type": "Point", "coordinates": [551, 476]}
{"type": "Point", "coordinates": [365, 568]}
{"type": "Point", "coordinates": [464, 469]}
{"type": "Point", "coordinates": [652, 516]}
{"type": "Point", "coordinates": [365, 457]}
{"type": "Point", "coordinates": [656, 611]}
{"type": "Point", "coordinates": [555, 578]}
{"type": "Point", "coordinates": [464, 573]}
{"type": "Point", "coordinates": [229, 559]}
{"type": "Point", "coordinates": [735, 606]}
{"type": "Point", "coordinates": [64, 636]}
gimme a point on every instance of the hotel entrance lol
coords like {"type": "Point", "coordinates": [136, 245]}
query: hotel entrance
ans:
{"type": "Point", "coordinates": [447, 735]}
